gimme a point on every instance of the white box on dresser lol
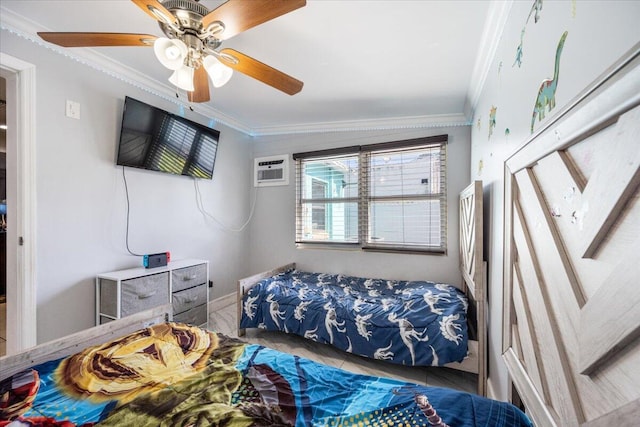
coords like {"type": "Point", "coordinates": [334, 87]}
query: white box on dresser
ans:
{"type": "Point", "coordinates": [182, 283]}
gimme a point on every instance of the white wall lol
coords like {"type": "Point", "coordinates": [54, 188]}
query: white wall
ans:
{"type": "Point", "coordinates": [81, 205]}
{"type": "Point", "coordinates": [273, 225]}
{"type": "Point", "coordinates": [599, 32]}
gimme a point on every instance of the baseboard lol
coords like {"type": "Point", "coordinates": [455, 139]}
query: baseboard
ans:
{"type": "Point", "coordinates": [222, 302]}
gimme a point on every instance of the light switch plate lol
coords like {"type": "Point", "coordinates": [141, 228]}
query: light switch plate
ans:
{"type": "Point", "coordinates": [73, 109]}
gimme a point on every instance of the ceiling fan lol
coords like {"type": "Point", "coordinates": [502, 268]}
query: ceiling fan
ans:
{"type": "Point", "coordinates": [193, 35]}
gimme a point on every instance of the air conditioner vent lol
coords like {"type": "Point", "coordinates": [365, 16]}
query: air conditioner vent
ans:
{"type": "Point", "coordinates": [271, 171]}
{"type": "Point", "coordinates": [269, 174]}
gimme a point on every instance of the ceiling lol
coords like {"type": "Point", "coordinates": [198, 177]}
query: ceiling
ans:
{"type": "Point", "coordinates": [364, 64]}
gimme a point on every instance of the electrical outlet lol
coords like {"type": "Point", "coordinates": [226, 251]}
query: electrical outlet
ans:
{"type": "Point", "coordinates": [73, 109]}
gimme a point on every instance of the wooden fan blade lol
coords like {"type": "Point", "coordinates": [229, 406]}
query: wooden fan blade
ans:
{"type": "Point", "coordinates": [201, 86]}
{"type": "Point", "coordinates": [240, 15]}
{"type": "Point", "coordinates": [157, 11]}
{"type": "Point", "coordinates": [259, 71]}
{"type": "Point", "coordinates": [98, 39]}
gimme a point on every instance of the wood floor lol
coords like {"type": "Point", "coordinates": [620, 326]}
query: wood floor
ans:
{"type": "Point", "coordinates": [223, 316]}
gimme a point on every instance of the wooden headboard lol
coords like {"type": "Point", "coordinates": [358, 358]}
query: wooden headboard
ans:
{"type": "Point", "coordinates": [471, 236]}
{"type": "Point", "coordinates": [572, 259]}
{"type": "Point", "coordinates": [473, 271]}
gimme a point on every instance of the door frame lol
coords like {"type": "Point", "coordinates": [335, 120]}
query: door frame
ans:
{"type": "Point", "coordinates": [21, 203]}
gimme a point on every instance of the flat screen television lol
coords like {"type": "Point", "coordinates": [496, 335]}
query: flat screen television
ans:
{"type": "Point", "coordinates": [154, 139]}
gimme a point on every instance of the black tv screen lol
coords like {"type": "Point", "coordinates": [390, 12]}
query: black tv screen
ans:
{"type": "Point", "coordinates": [154, 139]}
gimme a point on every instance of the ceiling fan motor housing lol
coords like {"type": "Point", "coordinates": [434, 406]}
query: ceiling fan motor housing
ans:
{"type": "Point", "coordinates": [189, 14]}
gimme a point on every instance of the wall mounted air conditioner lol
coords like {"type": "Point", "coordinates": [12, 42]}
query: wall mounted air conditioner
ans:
{"type": "Point", "coordinates": [270, 171]}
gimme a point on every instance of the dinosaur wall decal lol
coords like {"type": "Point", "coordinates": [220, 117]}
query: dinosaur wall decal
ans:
{"type": "Point", "coordinates": [518, 60]}
{"type": "Point", "coordinates": [547, 92]}
{"type": "Point", "coordinates": [535, 10]}
{"type": "Point", "coordinates": [492, 119]}
{"type": "Point", "coordinates": [536, 7]}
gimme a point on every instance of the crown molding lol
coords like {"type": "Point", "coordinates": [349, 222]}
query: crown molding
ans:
{"type": "Point", "coordinates": [492, 34]}
{"type": "Point", "coordinates": [411, 122]}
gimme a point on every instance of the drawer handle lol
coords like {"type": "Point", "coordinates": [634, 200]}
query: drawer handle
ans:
{"type": "Point", "coordinates": [190, 300]}
{"type": "Point", "coordinates": [187, 278]}
{"type": "Point", "coordinates": [147, 295]}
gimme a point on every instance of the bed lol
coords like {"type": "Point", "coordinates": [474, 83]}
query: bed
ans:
{"type": "Point", "coordinates": [145, 370]}
{"type": "Point", "coordinates": [572, 234]}
{"type": "Point", "coordinates": [415, 323]}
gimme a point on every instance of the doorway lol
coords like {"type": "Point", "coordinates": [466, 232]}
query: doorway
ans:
{"type": "Point", "coordinates": [20, 320]}
{"type": "Point", "coordinates": [3, 216]}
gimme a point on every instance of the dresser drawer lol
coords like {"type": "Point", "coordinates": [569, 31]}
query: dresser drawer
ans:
{"type": "Point", "coordinates": [188, 277]}
{"type": "Point", "coordinates": [195, 316]}
{"type": "Point", "coordinates": [144, 293]}
{"type": "Point", "coordinates": [189, 298]}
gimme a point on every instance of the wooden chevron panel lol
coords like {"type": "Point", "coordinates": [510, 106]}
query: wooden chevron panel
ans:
{"type": "Point", "coordinates": [572, 260]}
{"type": "Point", "coordinates": [612, 186]}
{"type": "Point", "coordinates": [527, 340]}
{"type": "Point", "coordinates": [471, 236]}
{"type": "Point", "coordinates": [473, 269]}
{"type": "Point", "coordinates": [561, 390]}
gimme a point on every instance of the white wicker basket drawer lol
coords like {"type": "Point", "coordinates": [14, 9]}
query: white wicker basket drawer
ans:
{"type": "Point", "coordinates": [195, 316]}
{"type": "Point", "coordinates": [188, 277]}
{"type": "Point", "coordinates": [144, 293]}
{"type": "Point", "coordinates": [189, 298]}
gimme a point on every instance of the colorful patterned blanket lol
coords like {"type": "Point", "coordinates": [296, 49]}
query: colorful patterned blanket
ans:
{"type": "Point", "coordinates": [176, 374]}
{"type": "Point", "coordinates": [415, 323]}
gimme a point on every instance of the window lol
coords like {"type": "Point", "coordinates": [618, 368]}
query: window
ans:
{"type": "Point", "coordinates": [328, 200]}
{"type": "Point", "coordinates": [389, 196]}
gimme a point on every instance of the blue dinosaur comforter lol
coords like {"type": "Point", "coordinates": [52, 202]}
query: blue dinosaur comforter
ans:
{"type": "Point", "coordinates": [416, 323]}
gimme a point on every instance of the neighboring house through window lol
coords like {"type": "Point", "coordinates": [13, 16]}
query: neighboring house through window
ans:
{"type": "Point", "coordinates": [389, 196]}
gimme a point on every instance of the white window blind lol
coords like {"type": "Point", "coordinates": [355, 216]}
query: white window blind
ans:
{"type": "Point", "coordinates": [389, 196]}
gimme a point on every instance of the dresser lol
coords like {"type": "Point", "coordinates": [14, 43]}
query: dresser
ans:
{"type": "Point", "coordinates": [182, 283]}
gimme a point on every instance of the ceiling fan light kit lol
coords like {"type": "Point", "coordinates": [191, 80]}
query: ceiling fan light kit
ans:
{"type": "Point", "coordinates": [183, 78]}
{"type": "Point", "coordinates": [170, 52]}
{"type": "Point", "coordinates": [219, 73]}
{"type": "Point", "coordinates": [193, 33]}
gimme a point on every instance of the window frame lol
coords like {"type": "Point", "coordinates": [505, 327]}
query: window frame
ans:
{"type": "Point", "coordinates": [365, 199]}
